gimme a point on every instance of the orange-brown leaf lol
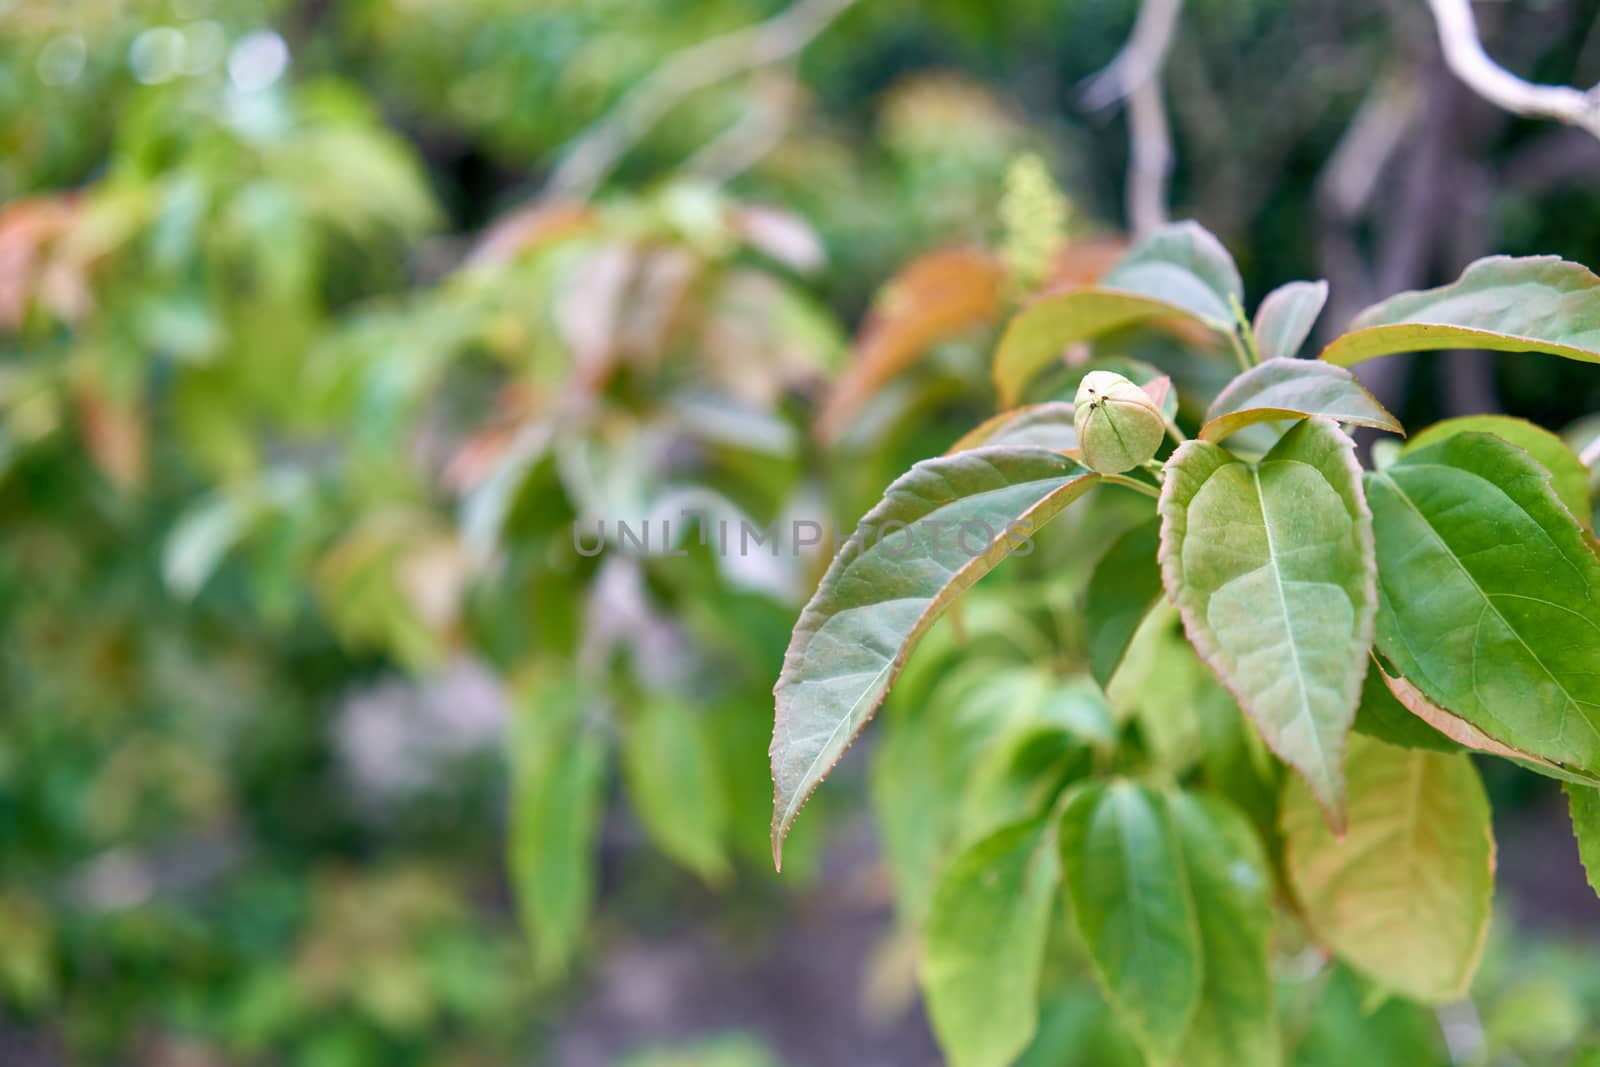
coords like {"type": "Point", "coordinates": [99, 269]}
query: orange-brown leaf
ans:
{"type": "Point", "coordinates": [937, 296]}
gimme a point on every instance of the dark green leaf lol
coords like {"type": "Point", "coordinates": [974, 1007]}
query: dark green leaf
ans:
{"type": "Point", "coordinates": [1568, 476]}
{"type": "Point", "coordinates": [1236, 1024]}
{"type": "Point", "coordinates": [1490, 595]}
{"type": "Point", "coordinates": [1126, 584]}
{"type": "Point", "coordinates": [1131, 905]}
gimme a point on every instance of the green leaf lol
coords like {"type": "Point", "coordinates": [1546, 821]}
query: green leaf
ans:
{"type": "Point", "coordinates": [1132, 909]}
{"type": "Point", "coordinates": [1490, 595]}
{"type": "Point", "coordinates": [1048, 325]}
{"type": "Point", "coordinates": [1048, 426]}
{"type": "Point", "coordinates": [1236, 1024]}
{"type": "Point", "coordinates": [1125, 585]}
{"type": "Point", "coordinates": [1285, 389]}
{"type": "Point", "coordinates": [939, 528]}
{"type": "Point", "coordinates": [1568, 476]}
{"type": "Point", "coordinates": [1404, 895]}
{"type": "Point", "coordinates": [557, 796]}
{"type": "Point", "coordinates": [1285, 317]}
{"type": "Point", "coordinates": [1583, 804]}
{"type": "Point", "coordinates": [925, 761]}
{"type": "Point", "coordinates": [985, 941]}
{"type": "Point", "coordinates": [1184, 265]}
{"type": "Point", "coordinates": [675, 786]}
{"type": "Point", "coordinates": [1020, 776]}
{"type": "Point", "coordinates": [1180, 271]}
{"type": "Point", "coordinates": [1503, 303]}
{"type": "Point", "coordinates": [1271, 567]}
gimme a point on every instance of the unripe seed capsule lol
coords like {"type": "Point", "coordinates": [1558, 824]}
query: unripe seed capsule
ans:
{"type": "Point", "coordinates": [1119, 425]}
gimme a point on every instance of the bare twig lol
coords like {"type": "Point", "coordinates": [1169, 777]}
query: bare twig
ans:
{"type": "Point", "coordinates": [757, 132]}
{"type": "Point", "coordinates": [1463, 51]}
{"type": "Point", "coordinates": [1135, 76]}
{"type": "Point", "coordinates": [1591, 454]}
{"type": "Point", "coordinates": [1140, 59]}
{"type": "Point", "coordinates": [598, 150]}
{"type": "Point", "coordinates": [1149, 158]}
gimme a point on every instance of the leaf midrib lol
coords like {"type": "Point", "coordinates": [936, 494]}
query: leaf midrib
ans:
{"type": "Point", "coordinates": [1283, 606]}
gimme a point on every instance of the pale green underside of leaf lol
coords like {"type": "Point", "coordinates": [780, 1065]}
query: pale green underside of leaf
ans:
{"type": "Point", "coordinates": [1271, 567]}
{"type": "Point", "coordinates": [1503, 303]}
{"type": "Point", "coordinates": [1125, 585]}
{"type": "Point", "coordinates": [1404, 895]}
{"type": "Point", "coordinates": [984, 944]}
{"type": "Point", "coordinates": [1568, 476]}
{"type": "Point", "coordinates": [1287, 389]}
{"type": "Point", "coordinates": [887, 586]}
{"type": "Point", "coordinates": [1182, 264]}
{"type": "Point", "coordinates": [1130, 903]}
{"type": "Point", "coordinates": [1180, 271]}
{"type": "Point", "coordinates": [1490, 595]}
{"type": "Point", "coordinates": [1583, 804]}
{"type": "Point", "coordinates": [1048, 426]}
{"type": "Point", "coordinates": [1285, 317]}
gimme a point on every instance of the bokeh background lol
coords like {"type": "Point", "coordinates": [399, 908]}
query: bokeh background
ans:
{"type": "Point", "coordinates": [322, 323]}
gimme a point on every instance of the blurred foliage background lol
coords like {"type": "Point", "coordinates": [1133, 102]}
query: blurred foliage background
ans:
{"type": "Point", "coordinates": [323, 742]}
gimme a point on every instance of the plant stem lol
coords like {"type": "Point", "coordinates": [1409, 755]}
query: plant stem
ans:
{"type": "Point", "coordinates": [1244, 338]}
{"type": "Point", "coordinates": [1133, 483]}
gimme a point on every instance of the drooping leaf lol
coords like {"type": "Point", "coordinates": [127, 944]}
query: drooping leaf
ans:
{"type": "Point", "coordinates": [1047, 426]}
{"type": "Point", "coordinates": [985, 942]}
{"type": "Point", "coordinates": [1583, 804]}
{"type": "Point", "coordinates": [1130, 903]}
{"type": "Point", "coordinates": [1126, 583]}
{"type": "Point", "coordinates": [939, 528]}
{"type": "Point", "coordinates": [1490, 595]}
{"type": "Point", "coordinates": [1236, 1024]}
{"type": "Point", "coordinates": [675, 786]}
{"type": "Point", "coordinates": [1285, 389]}
{"type": "Point", "coordinates": [1502, 303]}
{"type": "Point", "coordinates": [1271, 566]}
{"type": "Point", "coordinates": [935, 297]}
{"type": "Point", "coordinates": [1404, 895]}
{"type": "Point", "coordinates": [1180, 271]}
{"type": "Point", "coordinates": [1568, 476]}
{"type": "Point", "coordinates": [1285, 317]}
{"type": "Point", "coordinates": [557, 793]}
